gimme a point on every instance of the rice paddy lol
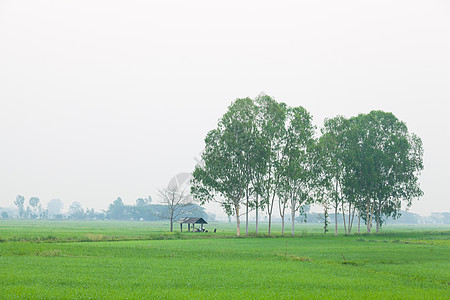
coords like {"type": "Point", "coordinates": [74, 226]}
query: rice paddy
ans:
{"type": "Point", "coordinates": [46, 259]}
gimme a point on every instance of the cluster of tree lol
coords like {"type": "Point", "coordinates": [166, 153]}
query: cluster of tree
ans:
{"type": "Point", "coordinates": [53, 211]}
{"type": "Point", "coordinates": [77, 212]}
{"type": "Point", "coordinates": [173, 206]}
{"type": "Point", "coordinates": [435, 218]}
{"type": "Point", "coordinates": [264, 152]}
{"type": "Point", "coordinates": [32, 211]}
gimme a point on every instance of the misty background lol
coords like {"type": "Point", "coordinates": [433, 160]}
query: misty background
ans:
{"type": "Point", "coordinates": [101, 99]}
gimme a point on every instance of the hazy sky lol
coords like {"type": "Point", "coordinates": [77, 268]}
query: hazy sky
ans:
{"type": "Point", "coordinates": [101, 99]}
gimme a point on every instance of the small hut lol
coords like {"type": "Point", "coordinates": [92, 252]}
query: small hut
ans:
{"type": "Point", "coordinates": [192, 221]}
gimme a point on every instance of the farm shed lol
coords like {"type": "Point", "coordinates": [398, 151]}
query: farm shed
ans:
{"type": "Point", "coordinates": [192, 221]}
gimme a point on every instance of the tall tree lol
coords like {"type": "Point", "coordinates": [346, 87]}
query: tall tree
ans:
{"type": "Point", "coordinates": [34, 202]}
{"type": "Point", "coordinates": [76, 211]}
{"type": "Point", "coordinates": [239, 124]}
{"type": "Point", "coordinates": [259, 170]}
{"type": "Point", "coordinates": [296, 168]}
{"type": "Point", "coordinates": [271, 123]}
{"type": "Point", "coordinates": [331, 160]}
{"type": "Point", "coordinates": [389, 162]}
{"type": "Point", "coordinates": [117, 210]}
{"type": "Point", "coordinates": [225, 173]}
{"type": "Point", "coordinates": [19, 202]}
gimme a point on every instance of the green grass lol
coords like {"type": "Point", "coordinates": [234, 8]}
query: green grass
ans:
{"type": "Point", "coordinates": [141, 260]}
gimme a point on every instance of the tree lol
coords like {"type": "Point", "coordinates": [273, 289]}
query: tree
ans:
{"type": "Point", "coordinates": [176, 201]}
{"type": "Point", "coordinates": [247, 158]}
{"type": "Point", "coordinates": [369, 163]}
{"type": "Point", "coordinates": [239, 123]}
{"type": "Point", "coordinates": [28, 213]}
{"type": "Point", "coordinates": [224, 175]}
{"type": "Point", "coordinates": [19, 202]}
{"type": "Point", "coordinates": [76, 211]}
{"type": "Point", "coordinates": [143, 201]}
{"type": "Point", "coordinates": [141, 210]}
{"type": "Point", "coordinates": [54, 207]}
{"type": "Point", "coordinates": [42, 213]}
{"type": "Point", "coordinates": [271, 123]}
{"type": "Point", "coordinates": [296, 170]}
{"type": "Point", "coordinates": [34, 202]}
{"type": "Point", "coordinates": [331, 163]}
{"type": "Point", "coordinates": [117, 210]}
{"type": "Point", "coordinates": [389, 162]}
{"type": "Point", "coordinates": [352, 194]}
{"type": "Point", "coordinates": [259, 169]}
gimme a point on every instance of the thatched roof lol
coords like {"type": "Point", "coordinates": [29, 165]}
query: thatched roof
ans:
{"type": "Point", "coordinates": [192, 221]}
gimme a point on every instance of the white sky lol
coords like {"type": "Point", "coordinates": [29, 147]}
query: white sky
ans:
{"type": "Point", "coordinates": [101, 99]}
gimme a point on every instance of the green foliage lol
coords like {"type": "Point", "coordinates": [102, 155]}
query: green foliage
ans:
{"type": "Point", "coordinates": [259, 151]}
{"type": "Point", "coordinates": [117, 210]}
{"type": "Point", "coordinates": [263, 151]}
{"type": "Point", "coordinates": [226, 170]}
{"type": "Point", "coordinates": [370, 163]}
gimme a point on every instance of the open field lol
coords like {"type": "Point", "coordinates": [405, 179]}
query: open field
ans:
{"type": "Point", "coordinates": [46, 259]}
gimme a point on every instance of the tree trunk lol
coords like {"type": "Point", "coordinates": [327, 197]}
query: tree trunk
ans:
{"type": "Point", "coordinates": [359, 222]}
{"type": "Point", "coordinates": [171, 225]}
{"type": "Point", "coordinates": [335, 219]}
{"type": "Point", "coordinates": [282, 210]}
{"type": "Point", "coordinates": [350, 220]}
{"type": "Point", "coordinates": [369, 222]}
{"type": "Point", "coordinates": [336, 204]}
{"type": "Point", "coordinates": [371, 216]}
{"type": "Point", "coordinates": [257, 214]}
{"type": "Point", "coordinates": [270, 210]}
{"type": "Point", "coordinates": [343, 218]}
{"type": "Point", "coordinates": [246, 215]}
{"type": "Point", "coordinates": [293, 219]}
{"type": "Point", "coordinates": [238, 222]}
{"type": "Point", "coordinates": [378, 216]}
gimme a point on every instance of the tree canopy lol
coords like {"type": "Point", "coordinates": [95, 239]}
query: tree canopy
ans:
{"type": "Point", "coordinates": [264, 151]}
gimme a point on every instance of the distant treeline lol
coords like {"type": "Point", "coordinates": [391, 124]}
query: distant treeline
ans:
{"type": "Point", "coordinates": [142, 210]}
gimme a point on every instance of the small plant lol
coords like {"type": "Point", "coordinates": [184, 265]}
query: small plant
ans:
{"type": "Point", "coordinates": [348, 262]}
{"type": "Point", "coordinates": [345, 261]}
{"type": "Point", "coordinates": [297, 258]}
{"type": "Point", "coordinates": [94, 237]}
{"type": "Point", "coordinates": [54, 252]}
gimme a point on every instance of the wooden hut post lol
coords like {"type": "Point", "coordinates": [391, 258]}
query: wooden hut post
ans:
{"type": "Point", "coordinates": [181, 227]}
{"type": "Point", "coordinates": [189, 227]}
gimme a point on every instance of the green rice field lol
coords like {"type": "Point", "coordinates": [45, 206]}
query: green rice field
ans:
{"type": "Point", "coordinates": [135, 260]}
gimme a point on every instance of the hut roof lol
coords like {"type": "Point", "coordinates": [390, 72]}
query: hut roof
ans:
{"type": "Point", "coordinates": [192, 221]}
